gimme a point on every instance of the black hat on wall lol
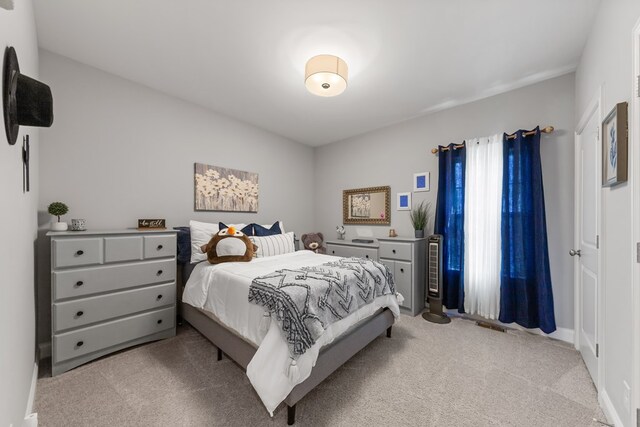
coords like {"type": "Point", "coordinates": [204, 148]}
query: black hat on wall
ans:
{"type": "Point", "coordinates": [25, 101]}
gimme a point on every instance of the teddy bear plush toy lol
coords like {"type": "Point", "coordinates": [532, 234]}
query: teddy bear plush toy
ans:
{"type": "Point", "coordinates": [313, 242]}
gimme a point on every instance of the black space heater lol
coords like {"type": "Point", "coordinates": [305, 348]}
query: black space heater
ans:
{"type": "Point", "coordinates": [434, 281]}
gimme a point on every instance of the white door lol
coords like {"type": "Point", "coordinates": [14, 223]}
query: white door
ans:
{"type": "Point", "coordinates": [585, 252]}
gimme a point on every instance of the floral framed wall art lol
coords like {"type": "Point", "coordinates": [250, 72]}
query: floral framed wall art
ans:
{"type": "Point", "coordinates": [222, 189]}
{"type": "Point", "coordinates": [614, 146]}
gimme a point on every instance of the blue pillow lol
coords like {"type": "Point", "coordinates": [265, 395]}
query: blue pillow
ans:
{"type": "Point", "coordinates": [184, 245]}
{"type": "Point", "coordinates": [262, 231]}
{"type": "Point", "coordinates": [248, 230]}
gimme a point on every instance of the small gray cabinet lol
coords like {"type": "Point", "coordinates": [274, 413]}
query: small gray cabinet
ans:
{"type": "Point", "coordinates": [404, 257]}
{"type": "Point", "coordinates": [110, 290]}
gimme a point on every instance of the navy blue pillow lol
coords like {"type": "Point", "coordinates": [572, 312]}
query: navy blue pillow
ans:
{"type": "Point", "coordinates": [184, 245]}
{"type": "Point", "coordinates": [262, 231]}
{"type": "Point", "coordinates": [248, 230]}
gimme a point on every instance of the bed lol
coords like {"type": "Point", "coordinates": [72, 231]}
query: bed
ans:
{"type": "Point", "coordinates": [214, 302]}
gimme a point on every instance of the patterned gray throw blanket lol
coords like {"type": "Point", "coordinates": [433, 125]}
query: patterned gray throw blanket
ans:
{"type": "Point", "coordinates": [306, 301]}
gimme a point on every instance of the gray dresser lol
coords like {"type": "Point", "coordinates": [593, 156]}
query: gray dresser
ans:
{"type": "Point", "coordinates": [110, 290]}
{"type": "Point", "coordinates": [404, 256]}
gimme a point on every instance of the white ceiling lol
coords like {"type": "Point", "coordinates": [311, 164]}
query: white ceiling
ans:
{"type": "Point", "coordinates": [246, 58]}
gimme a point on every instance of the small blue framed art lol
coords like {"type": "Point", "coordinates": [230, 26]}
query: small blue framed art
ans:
{"type": "Point", "coordinates": [421, 181]}
{"type": "Point", "coordinates": [404, 202]}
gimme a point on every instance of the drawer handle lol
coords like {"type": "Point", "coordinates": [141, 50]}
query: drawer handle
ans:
{"type": "Point", "coordinates": [402, 270]}
{"type": "Point", "coordinates": [79, 343]}
{"type": "Point", "coordinates": [79, 283]}
{"type": "Point", "coordinates": [160, 247]}
{"type": "Point", "coordinates": [333, 252]}
{"type": "Point", "coordinates": [366, 256]}
{"type": "Point", "coordinates": [159, 297]}
{"type": "Point", "coordinates": [393, 250]}
{"type": "Point", "coordinates": [79, 252]}
{"type": "Point", "coordinates": [159, 321]}
{"type": "Point", "coordinates": [80, 313]}
{"type": "Point", "coordinates": [159, 272]}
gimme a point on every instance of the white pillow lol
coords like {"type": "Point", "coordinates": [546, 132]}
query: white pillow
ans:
{"type": "Point", "coordinates": [277, 244]}
{"type": "Point", "coordinates": [201, 233]}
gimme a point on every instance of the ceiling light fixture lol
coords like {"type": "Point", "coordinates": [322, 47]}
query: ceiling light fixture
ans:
{"type": "Point", "coordinates": [326, 75]}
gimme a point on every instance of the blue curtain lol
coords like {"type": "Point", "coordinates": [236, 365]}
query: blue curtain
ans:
{"type": "Point", "coordinates": [449, 222]}
{"type": "Point", "coordinates": [525, 288]}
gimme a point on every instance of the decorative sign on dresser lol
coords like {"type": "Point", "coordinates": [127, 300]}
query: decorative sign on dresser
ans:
{"type": "Point", "coordinates": [110, 290]}
{"type": "Point", "coordinates": [404, 256]}
{"type": "Point", "coordinates": [145, 224]}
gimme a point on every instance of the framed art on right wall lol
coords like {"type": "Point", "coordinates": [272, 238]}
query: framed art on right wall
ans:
{"type": "Point", "coordinates": [615, 138]}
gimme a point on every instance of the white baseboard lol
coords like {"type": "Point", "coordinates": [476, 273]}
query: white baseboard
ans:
{"type": "Point", "coordinates": [30, 421]}
{"type": "Point", "coordinates": [44, 350]}
{"type": "Point", "coordinates": [608, 409]}
{"type": "Point", "coordinates": [562, 334]}
{"type": "Point", "coordinates": [32, 390]}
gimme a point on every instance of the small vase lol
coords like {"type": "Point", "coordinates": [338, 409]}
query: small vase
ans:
{"type": "Point", "coordinates": [59, 226]}
{"type": "Point", "coordinates": [419, 234]}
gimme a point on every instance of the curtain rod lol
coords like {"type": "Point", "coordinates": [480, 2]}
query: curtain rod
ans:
{"type": "Point", "coordinates": [547, 129]}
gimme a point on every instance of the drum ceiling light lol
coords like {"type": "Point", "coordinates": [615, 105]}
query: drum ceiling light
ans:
{"type": "Point", "coordinates": [326, 75]}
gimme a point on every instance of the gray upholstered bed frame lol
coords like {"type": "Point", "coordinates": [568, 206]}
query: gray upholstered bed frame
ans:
{"type": "Point", "coordinates": [331, 357]}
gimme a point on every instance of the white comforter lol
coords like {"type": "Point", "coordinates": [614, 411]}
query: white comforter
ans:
{"type": "Point", "coordinates": [223, 290]}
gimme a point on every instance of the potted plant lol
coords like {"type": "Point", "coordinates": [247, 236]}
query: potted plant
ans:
{"type": "Point", "coordinates": [58, 209]}
{"type": "Point", "coordinates": [419, 216]}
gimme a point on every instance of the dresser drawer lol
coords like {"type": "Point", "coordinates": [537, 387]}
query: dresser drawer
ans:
{"type": "Point", "coordinates": [93, 338]}
{"type": "Point", "coordinates": [87, 281]}
{"type": "Point", "coordinates": [72, 252]}
{"type": "Point", "coordinates": [395, 250]}
{"type": "Point", "coordinates": [122, 248]}
{"type": "Point", "coordinates": [72, 314]}
{"type": "Point", "coordinates": [160, 246]}
{"type": "Point", "coordinates": [352, 251]}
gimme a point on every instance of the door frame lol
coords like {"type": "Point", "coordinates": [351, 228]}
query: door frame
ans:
{"type": "Point", "coordinates": [593, 108]}
{"type": "Point", "coordinates": [634, 168]}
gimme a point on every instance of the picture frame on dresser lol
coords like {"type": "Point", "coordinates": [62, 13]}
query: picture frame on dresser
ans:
{"type": "Point", "coordinates": [110, 290]}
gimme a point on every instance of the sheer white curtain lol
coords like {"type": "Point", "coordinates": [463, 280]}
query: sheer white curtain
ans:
{"type": "Point", "coordinates": [482, 220]}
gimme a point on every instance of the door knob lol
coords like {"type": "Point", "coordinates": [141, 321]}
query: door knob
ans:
{"type": "Point", "coordinates": [573, 252]}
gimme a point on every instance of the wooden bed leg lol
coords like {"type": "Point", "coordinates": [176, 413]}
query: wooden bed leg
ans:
{"type": "Point", "coordinates": [219, 355]}
{"type": "Point", "coordinates": [389, 331]}
{"type": "Point", "coordinates": [291, 415]}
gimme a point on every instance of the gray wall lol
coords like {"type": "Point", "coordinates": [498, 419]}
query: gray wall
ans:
{"type": "Point", "coordinates": [607, 62]}
{"type": "Point", "coordinates": [392, 155]}
{"type": "Point", "coordinates": [19, 215]}
{"type": "Point", "coordinates": [121, 151]}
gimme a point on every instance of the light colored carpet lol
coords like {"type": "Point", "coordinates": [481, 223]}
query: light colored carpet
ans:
{"type": "Point", "coordinates": [426, 374]}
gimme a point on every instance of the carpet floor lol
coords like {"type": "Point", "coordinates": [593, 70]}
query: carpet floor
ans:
{"type": "Point", "coordinates": [426, 374]}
